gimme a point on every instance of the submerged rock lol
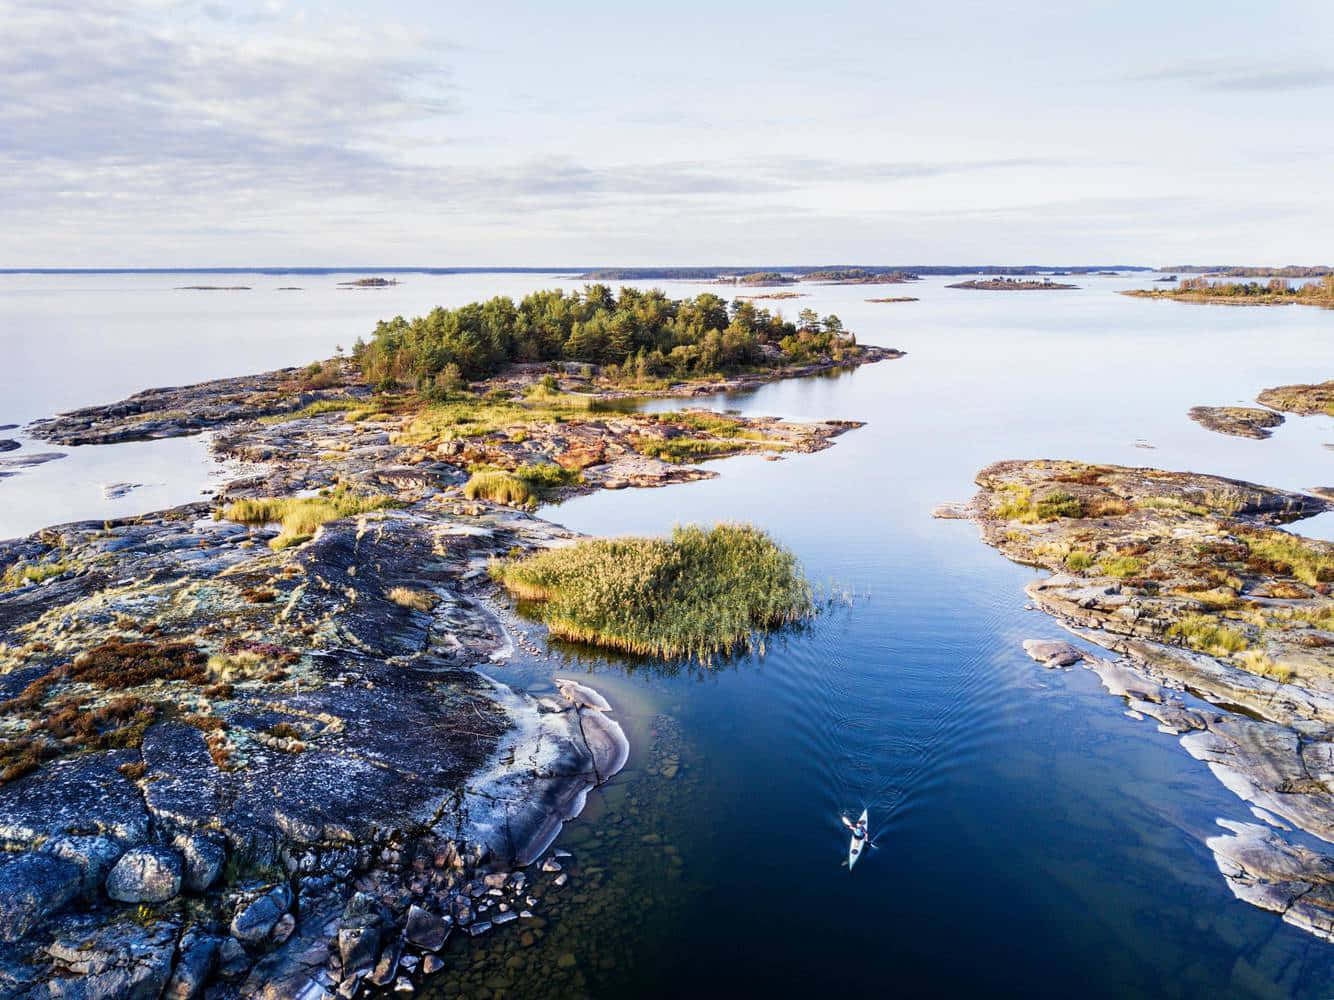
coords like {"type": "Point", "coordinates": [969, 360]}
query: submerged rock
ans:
{"type": "Point", "coordinates": [1053, 652]}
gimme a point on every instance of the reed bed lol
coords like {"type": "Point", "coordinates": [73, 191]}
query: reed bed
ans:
{"type": "Point", "coordinates": [702, 594]}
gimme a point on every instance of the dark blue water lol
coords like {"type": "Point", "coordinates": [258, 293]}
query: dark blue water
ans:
{"type": "Point", "coordinates": [1033, 841]}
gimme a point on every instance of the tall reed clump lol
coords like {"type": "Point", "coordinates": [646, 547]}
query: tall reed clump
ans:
{"type": "Point", "coordinates": [702, 594]}
{"type": "Point", "coordinates": [299, 517]}
{"type": "Point", "coordinates": [500, 487]}
{"type": "Point", "coordinates": [521, 488]}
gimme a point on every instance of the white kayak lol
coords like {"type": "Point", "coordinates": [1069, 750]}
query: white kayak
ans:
{"type": "Point", "coordinates": [857, 847]}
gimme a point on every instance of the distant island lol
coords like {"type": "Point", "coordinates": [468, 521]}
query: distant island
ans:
{"type": "Point", "coordinates": [1011, 285]}
{"type": "Point", "coordinates": [369, 283]}
{"type": "Point", "coordinates": [212, 288]}
{"type": "Point", "coordinates": [1233, 271]}
{"type": "Point", "coordinates": [897, 298]}
{"type": "Point", "coordinates": [760, 278]}
{"type": "Point", "coordinates": [859, 276]}
{"type": "Point", "coordinates": [772, 295]}
{"type": "Point", "coordinates": [808, 272]}
{"type": "Point", "coordinates": [1274, 292]}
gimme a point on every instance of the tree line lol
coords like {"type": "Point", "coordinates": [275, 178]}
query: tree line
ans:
{"type": "Point", "coordinates": [633, 335]}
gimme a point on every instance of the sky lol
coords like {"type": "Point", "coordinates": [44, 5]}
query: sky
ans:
{"type": "Point", "coordinates": [165, 133]}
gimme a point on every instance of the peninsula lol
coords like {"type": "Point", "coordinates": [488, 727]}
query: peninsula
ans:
{"type": "Point", "coordinates": [1192, 581]}
{"type": "Point", "coordinates": [1275, 292]}
{"type": "Point", "coordinates": [254, 744]}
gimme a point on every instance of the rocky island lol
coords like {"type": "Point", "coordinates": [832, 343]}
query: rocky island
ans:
{"type": "Point", "coordinates": [1192, 582]}
{"type": "Point", "coordinates": [1239, 421]}
{"type": "Point", "coordinates": [1003, 284]}
{"type": "Point", "coordinates": [254, 746]}
{"type": "Point", "coordinates": [1304, 400]}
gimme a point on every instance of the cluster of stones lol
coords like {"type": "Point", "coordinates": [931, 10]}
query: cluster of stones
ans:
{"type": "Point", "coordinates": [341, 921]}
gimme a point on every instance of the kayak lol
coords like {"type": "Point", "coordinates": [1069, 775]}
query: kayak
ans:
{"type": "Point", "coordinates": [856, 848]}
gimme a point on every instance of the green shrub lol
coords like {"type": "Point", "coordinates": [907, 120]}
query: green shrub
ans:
{"type": "Point", "coordinates": [1121, 566]}
{"type": "Point", "coordinates": [1078, 560]}
{"type": "Point", "coordinates": [548, 476]}
{"type": "Point", "coordinates": [313, 410]}
{"type": "Point", "coordinates": [1308, 562]}
{"type": "Point", "coordinates": [21, 574]}
{"type": "Point", "coordinates": [1055, 505]}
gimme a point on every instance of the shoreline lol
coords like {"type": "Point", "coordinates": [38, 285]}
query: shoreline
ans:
{"type": "Point", "coordinates": [1267, 725]}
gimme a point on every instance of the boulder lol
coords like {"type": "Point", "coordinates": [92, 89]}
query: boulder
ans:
{"type": "Point", "coordinates": [204, 857]}
{"type": "Point", "coordinates": [254, 921]}
{"type": "Point", "coordinates": [102, 961]}
{"type": "Point", "coordinates": [148, 874]}
{"type": "Point", "coordinates": [198, 959]}
{"type": "Point", "coordinates": [32, 887]}
{"type": "Point", "coordinates": [233, 961]}
{"type": "Point", "coordinates": [387, 968]}
{"type": "Point", "coordinates": [93, 856]}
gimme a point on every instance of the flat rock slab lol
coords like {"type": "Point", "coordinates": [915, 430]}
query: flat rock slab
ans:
{"type": "Point", "coordinates": [1239, 421]}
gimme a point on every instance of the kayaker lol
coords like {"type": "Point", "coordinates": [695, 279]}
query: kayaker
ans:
{"type": "Point", "coordinates": [858, 828]}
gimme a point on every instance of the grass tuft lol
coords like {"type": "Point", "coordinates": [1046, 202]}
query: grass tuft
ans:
{"type": "Point", "coordinates": [409, 597]}
{"type": "Point", "coordinates": [499, 487]}
{"type": "Point", "coordinates": [1206, 634]}
{"type": "Point", "coordinates": [300, 517]}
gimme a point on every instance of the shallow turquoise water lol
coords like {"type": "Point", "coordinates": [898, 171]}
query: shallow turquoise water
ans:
{"type": "Point", "coordinates": [1033, 840]}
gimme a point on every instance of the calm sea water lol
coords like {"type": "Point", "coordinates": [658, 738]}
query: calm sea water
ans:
{"type": "Point", "coordinates": [1033, 841]}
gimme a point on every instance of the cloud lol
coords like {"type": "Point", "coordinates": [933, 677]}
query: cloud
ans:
{"type": "Point", "coordinates": [110, 98]}
{"type": "Point", "coordinates": [1241, 78]}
